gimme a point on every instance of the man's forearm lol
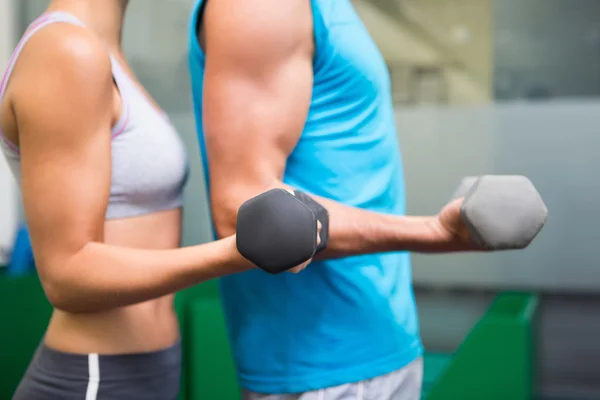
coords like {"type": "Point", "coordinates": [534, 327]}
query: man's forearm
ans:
{"type": "Point", "coordinates": [354, 231]}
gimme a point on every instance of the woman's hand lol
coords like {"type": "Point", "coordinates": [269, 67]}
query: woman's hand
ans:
{"type": "Point", "coordinates": [301, 267]}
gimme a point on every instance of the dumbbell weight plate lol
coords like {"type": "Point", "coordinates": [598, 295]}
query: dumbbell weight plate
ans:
{"type": "Point", "coordinates": [502, 212]}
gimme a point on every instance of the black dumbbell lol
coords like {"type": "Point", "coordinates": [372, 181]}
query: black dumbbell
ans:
{"type": "Point", "coordinates": [274, 246]}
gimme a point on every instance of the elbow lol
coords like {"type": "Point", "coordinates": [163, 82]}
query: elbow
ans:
{"type": "Point", "coordinates": [58, 298]}
{"type": "Point", "coordinates": [61, 297]}
{"type": "Point", "coordinates": [58, 301]}
{"type": "Point", "coordinates": [62, 292]}
{"type": "Point", "coordinates": [52, 283]}
{"type": "Point", "coordinates": [66, 302]}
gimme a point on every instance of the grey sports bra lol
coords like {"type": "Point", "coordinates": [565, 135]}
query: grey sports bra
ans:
{"type": "Point", "coordinates": [149, 161]}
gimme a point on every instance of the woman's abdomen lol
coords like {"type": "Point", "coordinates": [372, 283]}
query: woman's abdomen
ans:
{"type": "Point", "coordinates": [142, 327]}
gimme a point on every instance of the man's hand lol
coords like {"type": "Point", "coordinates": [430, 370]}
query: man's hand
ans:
{"type": "Point", "coordinates": [451, 229]}
{"type": "Point", "coordinates": [494, 212]}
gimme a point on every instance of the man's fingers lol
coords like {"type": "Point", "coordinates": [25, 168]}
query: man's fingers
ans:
{"type": "Point", "coordinates": [319, 227]}
{"type": "Point", "coordinates": [300, 267]}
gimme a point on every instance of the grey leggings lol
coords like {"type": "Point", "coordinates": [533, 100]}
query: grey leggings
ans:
{"type": "Point", "coordinates": [54, 375]}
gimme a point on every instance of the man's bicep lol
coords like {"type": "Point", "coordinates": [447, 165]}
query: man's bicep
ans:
{"type": "Point", "coordinates": [257, 91]}
{"type": "Point", "coordinates": [252, 126]}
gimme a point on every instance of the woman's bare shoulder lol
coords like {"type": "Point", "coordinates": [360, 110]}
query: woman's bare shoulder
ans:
{"type": "Point", "coordinates": [65, 52]}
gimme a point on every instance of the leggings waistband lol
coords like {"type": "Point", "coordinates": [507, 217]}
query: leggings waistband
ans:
{"type": "Point", "coordinates": [110, 366]}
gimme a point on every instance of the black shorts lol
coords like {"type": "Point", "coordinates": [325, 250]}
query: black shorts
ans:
{"type": "Point", "coordinates": [54, 375]}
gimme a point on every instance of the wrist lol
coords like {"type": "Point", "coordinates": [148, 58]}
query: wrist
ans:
{"type": "Point", "coordinates": [422, 235]}
{"type": "Point", "coordinates": [232, 257]}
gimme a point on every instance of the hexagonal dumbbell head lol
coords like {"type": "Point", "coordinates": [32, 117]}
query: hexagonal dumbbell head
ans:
{"type": "Point", "coordinates": [503, 212]}
{"type": "Point", "coordinates": [276, 231]}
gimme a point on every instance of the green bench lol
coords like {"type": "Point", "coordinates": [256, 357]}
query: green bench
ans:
{"type": "Point", "coordinates": [495, 361]}
{"type": "Point", "coordinates": [24, 315]}
{"type": "Point", "coordinates": [434, 366]}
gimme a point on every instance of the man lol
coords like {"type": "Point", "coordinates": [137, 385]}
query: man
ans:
{"type": "Point", "coordinates": [295, 94]}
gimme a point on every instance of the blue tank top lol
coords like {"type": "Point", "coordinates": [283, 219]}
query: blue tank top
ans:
{"type": "Point", "coordinates": [342, 320]}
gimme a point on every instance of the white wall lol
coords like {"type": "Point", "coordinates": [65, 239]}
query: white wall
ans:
{"type": "Point", "coordinates": [8, 191]}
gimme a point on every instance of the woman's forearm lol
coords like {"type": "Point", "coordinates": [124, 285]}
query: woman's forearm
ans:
{"type": "Point", "coordinates": [101, 277]}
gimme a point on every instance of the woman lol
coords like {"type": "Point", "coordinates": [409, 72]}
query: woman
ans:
{"type": "Point", "coordinates": [102, 172]}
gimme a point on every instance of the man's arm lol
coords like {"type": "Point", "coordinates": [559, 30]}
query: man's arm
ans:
{"type": "Point", "coordinates": [257, 92]}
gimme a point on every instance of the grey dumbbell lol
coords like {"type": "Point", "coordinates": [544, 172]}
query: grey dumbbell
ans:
{"type": "Point", "coordinates": [501, 212]}
{"type": "Point", "coordinates": [465, 185]}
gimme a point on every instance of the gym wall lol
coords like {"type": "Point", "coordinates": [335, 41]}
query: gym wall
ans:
{"type": "Point", "coordinates": [554, 144]}
{"type": "Point", "coordinates": [9, 213]}
{"type": "Point", "coordinates": [546, 48]}
{"type": "Point", "coordinates": [410, 49]}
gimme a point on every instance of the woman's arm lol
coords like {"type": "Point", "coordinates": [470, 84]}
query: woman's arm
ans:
{"type": "Point", "coordinates": [63, 101]}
